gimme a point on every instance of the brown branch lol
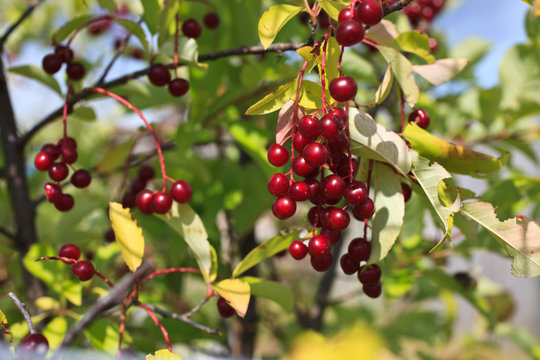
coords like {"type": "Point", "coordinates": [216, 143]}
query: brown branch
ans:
{"type": "Point", "coordinates": [396, 6]}
{"type": "Point", "coordinates": [7, 234]}
{"type": "Point", "coordinates": [16, 24]}
{"type": "Point", "coordinates": [183, 318]}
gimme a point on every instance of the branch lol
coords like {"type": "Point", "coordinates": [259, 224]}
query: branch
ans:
{"type": "Point", "coordinates": [183, 318]}
{"type": "Point", "coordinates": [16, 24]}
{"type": "Point", "coordinates": [24, 312]}
{"type": "Point", "coordinates": [7, 234]}
{"type": "Point", "coordinates": [396, 6]}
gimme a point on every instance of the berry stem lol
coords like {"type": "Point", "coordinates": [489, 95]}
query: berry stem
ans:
{"type": "Point", "coordinates": [98, 273]}
{"type": "Point", "coordinates": [61, 258]}
{"type": "Point", "coordinates": [295, 113]}
{"type": "Point", "coordinates": [157, 322]}
{"type": "Point", "coordinates": [22, 308]}
{"type": "Point", "coordinates": [121, 331]}
{"type": "Point", "coordinates": [177, 20]}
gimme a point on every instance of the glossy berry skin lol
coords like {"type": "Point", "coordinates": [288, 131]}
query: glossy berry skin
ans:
{"type": "Point", "coordinates": [350, 32]}
{"type": "Point", "coordinates": [301, 167]}
{"type": "Point", "coordinates": [343, 88]}
{"type": "Point", "coordinates": [299, 142]}
{"type": "Point", "coordinates": [356, 193]}
{"type": "Point", "coordinates": [369, 12]}
{"type": "Point", "coordinates": [330, 126]}
{"type": "Point", "coordinates": [159, 75]}
{"type": "Point", "coordinates": [146, 173]}
{"type": "Point", "coordinates": [278, 185]}
{"type": "Point", "coordinates": [211, 20]}
{"type": "Point", "coordinates": [51, 63]}
{"type": "Point", "coordinates": [319, 246]}
{"type": "Point", "coordinates": [52, 150]}
{"type": "Point", "coordinates": [315, 154]}
{"type": "Point", "coordinates": [67, 142]}
{"type": "Point", "coordinates": [333, 235]}
{"type": "Point", "coordinates": [420, 117]}
{"type": "Point", "coordinates": [143, 202]}
{"type": "Point", "coordinates": [372, 290]}
{"type": "Point", "coordinates": [283, 207]}
{"type": "Point", "coordinates": [161, 203]}
{"type": "Point", "coordinates": [309, 127]}
{"type": "Point", "coordinates": [369, 274]}
{"type": "Point", "coordinates": [64, 53]}
{"type": "Point", "coordinates": [43, 161]}
{"type": "Point", "coordinates": [58, 171]}
{"type": "Point", "coordinates": [333, 186]}
{"type": "Point", "coordinates": [406, 190]}
{"type": "Point", "coordinates": [33, 346]}
{"type": "Point", "coordinates": [178, 87]}
{"type": "Point", "coordinates": [53, 192]}
{"type": "Point", "coordinates": [359, 249]}
{"type": "Point", "coordinates": [81, 178]}
{"type": "Point", "coordinates": [75, 71]}
{"type": "Point", "coordinates": [181, 191]}
{"type": "Point", "coordinates": [298, 250]}
{"type": "Point", "coordinates": [299, 191]}
{"type": "Point", "coordinates": [69, 154]}
{"type": "Point", "coordinates": [83, 269]}
{"type": "Point", "coordinates": [70, 251]}
{"type": "Point", "coordinates": [315, 190]}
{"type": "Point", "coordinates": [341, 113]}
{"type": "Point", "coordinates": [322, 263]}
{"type": "Point", "coordinates": [65, 203]}
{"type": "Point", "coordinates": [191, 28]}
{"type": "Point", "coordinates": [224, 309]}
{"type": "Point", "coordinates": [348, 264]}
{"type": "Point", "coordinates": [364, 210]}
{"type": "Point", "coordinates": [278, 155]}
{"type": "Point", "coordinates": [339, 219]}
{"type": "Point", "coordinates": [346, 14]}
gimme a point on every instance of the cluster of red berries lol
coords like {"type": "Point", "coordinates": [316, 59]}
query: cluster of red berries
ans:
{"type": "Point", "coordinates": [351, 21]}
{"type": "Point", "coordinates": [425, 10]}
{"type": "Point", "coordinates": [160, 202]}
{"type": "Point", "coordinates": [51, 63]}
{"type": "Point", "coordinates": [191, 28]}
{"type": "Point", "coordinates": [357, 253]}
{"type": "Point", "coordinates": [159, 75]}
{"type": "Point", "coordinates": [83, 269]}
{"type": "Point", "coordinates": [45, 160]}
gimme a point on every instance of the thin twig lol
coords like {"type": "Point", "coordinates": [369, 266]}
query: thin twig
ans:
{"type": "Point", "coordinates": [184, 319]}
{"type": "Point", "coordinates": [16, 24]}
{"type": "Point", "coordinates": [7, 234]}
{"type": "Point", "coordinates": [24, 312]}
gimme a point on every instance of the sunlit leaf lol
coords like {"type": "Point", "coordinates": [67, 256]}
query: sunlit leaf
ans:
{"type": "Point", "coordinates": [70, 26]}
{"type": "Point", "coordinates": [273, 101]}
{"type": "Point", "coordinates": [236, 292]}
{"type": "Point", "coordinates": [150, 15]}
{"type": "Point", "coordinates": [271, 290]}
{"type": "Point", "coordinates": [103, 335]}
{"type": "Point", "coordinates": [214, 267]}
{"type": "Point", "coordinates": [385, 86]}
{"type": "Point", "coordinates": [333, 51]}
{"type": "Point", "coordinates": [402, 69]}
{"type": "Point", "coordinates": [310, 95]}
{"type": "Point", "coordinates": [273, 20]}
{"type": "Point", "coordinates": [128, 234]}
{"type": "Point", "coordinates": [163, 354]}
{"type": "Point", "coordinates": [383, 33]}
{"type": "Point", "coordinates": [441, 71]}
{"type": "Point", "coordinates": [55, 331]}
{"type": "Point", "coordinates": [308, 54]}
{"type": "Point", "coordinates": [38, 74]}
{"type": "Point", "coordinates": [46, 303]}
{"type": "Point", "coordinates": [333, 7]}
{"type": "Point", "coordinates": [417, 43]}
{"type": "Point", "coordinates": [3, 319]}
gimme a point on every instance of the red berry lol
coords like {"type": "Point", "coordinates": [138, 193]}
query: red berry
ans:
{"type": "Point", "coordinates": [348, 264]}
{"type": "Point", "coordinates": [191, 28]}
{"type": "Point", "coordinates": [283, 207]}
{"type": "Point", "coordinates": [278, 155]}
{"type": "Point", "coordinates": [211, 20]}
{"type": "Point", "coordinates": [372, 290]}
{"type": "Point", "coordinates": [53, 192]}
{"type": "Point", "coordinates": [420, 117]}
{"type": "Point", "coordinates": [299, 142]}
{"type": "Point", "coordinates": [315, 190]}
{"type": "Point", "coordinates": [313, 216]}
{"type": "Point", "coordinates": [364, 210]}
{"type": "Point", "coordinates": [299, 191]}
{"type": "Point", "coordinates": [75, 71]}
{"type": "Point", "coordinates": [343, 88]}
{"type": "Point", "coordinates": [161, 203]}
{"type": "Point", "coordinates": [51, 63]}
{"type": "Point", "coordinates": [406, 190]}
{"type": "Point", "coordinates": [65, 203]}
{"type": "Point", "coordinates": [178, 87]}
{"type": "Point", "coordinates": [158, 74]}
{"type": "Point", "coordinates": [143, 202]}
{"type": "Point", "coordinates": [129, 200]}
{"type": "Point", "coordinates": [333, 235]}
{"type": "Point", "coordinates": [301, 167]}
{"type": "Point", "coordinates": [427, 14]}
{"type": "Point", "coordinates": [146, 173]}
{"type": "Point", "coordinates": [309, 127]}
{"type": "Point", "coordinates": [110, 235]}
{"type": "Point", "coordinates": [339, 219]}
{"type": "Point", "coordinates": [330, 126]}
{"type": "Point", "coordinates": [298, 250]}
{"type": "Point", "coordinates": [433, 44]}
{"type": "Point", "coordinates": [83, 269]}
{"type": "Point", "coordinates": [51, 149]}
{"type": "Point", "coordinates": [137, 185]}
{"type": "Point", "coordinates": [69, 154]}
{"type": "Point", "coordinates": [58, 171]}
{"type": "Point", "coordinates": [43, 161]}
{"type": "Point", "coordinates": [278, 185]}
{"type": "Point", "coordinates": [356, 193]}
{"type": "Point", "coordinates": [341, 113]}
{"type": "Point", "coordinates": [70, 251]}
{"type": "Point", "coordinates": [319, 246]}
{"type": "Point", "coordinates": [35, 345]}
{"type": "Point", "coordinates": [224, 309]}
{"type": "Point", "coordinates": [369, 12]}
{"type": "Point", "coordinates": [333, 186]}
{"type": "Point", "coordinates": [315, 154]}
{"type": "Point", "coordinates": [67, 142]}
{"type": "Point", "coordinates": [369, 274]}
{"type": "Point", "coordinates": [346, 14]}
{"type": "Point", "coordinates": [64, 53]}
{"type": "Point", "coordinates": [322, 263]}
{"type": "Point", "coordinates": [349, 33]}
{"type": "Point", "coordinates": [81, 178]}
{"type": "Point", "coordinates": [359, 249]}
{"type": "Point", "coordinates": [181, 191]}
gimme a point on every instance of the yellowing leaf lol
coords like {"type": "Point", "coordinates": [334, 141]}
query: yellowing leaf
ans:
{"type": "Point", "coordinates": [273, 101]}
{"type": "Point", "coordinates": [3, 319]}
{"type": "Point", "coordinates": [128, 235]}
{"type": "Point", "coordinates": [333, 50]}
{"type": "Point", "coordinates": [163, 354]}
{"type": "Point", "coordinates": [55, 330]}
{"type": "Point", "coordinates": [441, 71]}
{"type": "Point", "coordinates": [417, 43]}
{"type": "Point", "coordinates": [383, 33]}
{"type": "Point", "coordinates": [237, 294]}
{"type": "Point", "coordinates": [385, 86]}
{"type": "Point", "coordinates": [306, 52]}
{"type": "Point", "coordinates": [402, 69]}
{"type": "Point", "coordinates": [310, 95]}
{"type": "Point", "coordinates": [333, 7]}
{"type": "Point", "coordinates": [46, 303]}
{"type": "Point", "coordinates": [273, 20]}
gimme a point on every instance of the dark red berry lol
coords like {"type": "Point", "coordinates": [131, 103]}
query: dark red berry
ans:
{"type": "Point", "coordinates": [348, 264]}
{"type": "Point", "coordinates": [99, 26]}
{"type": "Point", "coordinates": [313, 216]}
{"type": "Point", "coordinates": [301, 167]}
{"type": "Point", "coordinates": [315, 190]}
{"type": "Point", "coordinates": [53, 192]}
{"type": "Point", "coordinates": [359, 249]}
{"type": "Point", "coordinates": [333, 186]}
{"type": "Point", "coordinates": [372, 290]}
{"type": "Point", "coordinates": [427, 14]}
{"type": "Point", "coordinates": [346, 14]}
{"type": "Point", "coordinates": [58, 171]}
{"type": "Point", "coordinates": [161, 203]}
{"type": "Point", "coordinates": [110, 235]}
{"type": "Point", "coordinates": [315, 154]}
{"type": "Point", "coordinates": [278, 155]}
{"type": "Point", "coordinates": [191, 28]}
{"type": "Point", "coordinates": [181, 191]}
{"type": "Point", "coordinates": [319, 245]}
{"type": "Point", "coordinates": [146, 173]}
{"type": "Point", "coordinates": [299, 142]}
{"type": "Point", "coordinates": [406, 190]}
{"type": "Point", "coordinates": [343, 88]}
{"type": "Point", "coordinates": [67, 142]}
{"type": "Point", "coordinates": [137, 185]}
{"type": "Point", "coordinates": [83, 269]}
{"type": "Point", "coordinates": [158, 74]}
{"type": "Point", "coordinates": [69, 154]}
{"type": "Point", "coordinates": [350, 32]}
{"type": "Point", "coordinates": [51, 63]}
{"type": "Point", "coordinates": [341, 113]}
{"type": "Point", "coordinates": [298, 250]}
{"type": "Point", "coordinates": [143, 202]}
{"type": "Point", "coordinates": [35, 345]}
{"type": "Point", "coordinates": [129, 200]}
{"type": "Point", "coordinates": [420, 117]}
{"type": "Point", "coordinates": [356, 193]}
{"type": "Point", "coordinates": [64, 53]}
{"type": "Point", "coordinates": [70, 251]}
{"type": "Point", "coordinates": [322, 263]}
{"type": "Point", "coordinates": [283, 207]}
{"type": "Point", "coordinates": [178, 87]}
{"type": "Point", "coordinates": [323, 19]}
{"type": "Point", "coordinates": [81, 178]}
{"type": "Point", "coordinates": [278, 185]}
{"type": "Point", "coordinates": [369, 274]}
{"type": "Point", "coordinates": [211, 20]}
{"type": "Point", "coordinates": [369, 12]}
{"type": "Point", "coordinates": [224, 309]}
{"type": "Point", "coordinates": [339, 219]}
{"type": "Point", "coordinates": [309, 127]}
{"type": "Point", "coordinates": [364, 210]}
{"type": "Point", "coordinates": [75, 71]}
{"type": "Point", "coordinates": [299, 191]}
{"type": "Point", "coordinates": [65, 203]}
{"type": "Point", "coordinates": [330, 126]}
{"type": "Point", "coordinates": [51, 149]}
{"type": "Point", "coordinates": [333, 235]}
{"type": "Point", "coordinates": [43, 161]}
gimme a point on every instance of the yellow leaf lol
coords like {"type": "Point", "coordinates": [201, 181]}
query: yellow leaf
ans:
{"type": "Point", "coordinates": [237, 294]}
{"type": "Point", "coordinates": [3, 319]}
{"type": "Point", "coordinates": [273, 20]}
{"type": "Point", "coordinates": [163, 354]}
{"type": "Point", "coordinates": [128, 235]}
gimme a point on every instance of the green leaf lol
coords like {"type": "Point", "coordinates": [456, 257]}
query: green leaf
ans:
{"type": "Point", "coordinates": [70, 26]}
{"type": "Point", "coordinates": [519, 75]}
{"type": "Point", "coordinates": [333, 51]}
{"type": "Point", "coordinates": [115, 158]}
{"type": "Point", "coordinates": [430, 176]}
{"type": "Point", "coordinates": [38, 74]}
{"type": "Point", "coordinates": [273, 101]}
{"type": "Point", "coordinates": [271, 290]}
{"type": "Point", "coordinates": [107, 4]}
{"type": "Point", "coordinates": [519, 234]}
{"type": "Point", "coordinates": [72, 291]}
{"type": "Point", "coordinates": [3, 319]}
{"type": "Point", "coordinates": [103, 335]}
{"type": "Point", "coordinates": [333, 7]}
{"type": "Point", "coordinates": [372, 140]}
{"type": "Point", "coordinates": [472, 49]}
{"type": "Point", "coordinates": [48, 271]}
{"type": "Point", "coordinates": [455, 158]}
{"type": "Point", "coordinates": [417, 43]}
{"type": "Point", "coordinates": [441, 71]}
{"type": "Point", "coordinates": [150, 15]}
{"type": "Point", "coordinates": [214, 267]}
{"type": "Point", "coordinates": [166, 20]}
{"type": "Point", "coordinates": [273, 20]}
{"type": "Point", "coordinates": [129, 236]}
{"type": "Point", "coordinates": [83, 113]}
{"type": "Point", "coordinates": [55, 331]}
{"type": "Point", "coordinates": [253, 139]}
{"type": "Point", "coordinates": [189, 225]}
{"type": "Point", "coordinates": [135, 29]}
{"type": "Point", "coordinates": [385, 86]}
{"type": "Point", "coordinates": [389, 211]}
{"type": "Point", "coordinates": [402, 69]}
{"type": "Point", "coordinates": [265, 250]}
{"type": "Point", "coordinates": [310, 95]}
{"type": "Point", "coordinates": [236, 292]}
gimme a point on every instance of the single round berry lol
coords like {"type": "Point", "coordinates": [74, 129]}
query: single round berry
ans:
{"type": "Point", "coordinates": [110, 236]}
{"type": "Point", "coordinates": [43, 161]}
{"type": "Point", "coordinates": [300, 142]}
{"type": "Point", "coordinates": [283, 207]}
{"type": "Point", "coordinates": [341, 113]}
{"type": "Point", "coordinates": [322, 263]}
{"type": "Point", "coordinates": [65, 203]}
{"type": "Point", "coordinates": [83, 269]}
{"type": "Point", "coordinates": [372, 290]}
{"type": "Point", "coordinates": [64, 53]}
{"type": "Point", "coordinates": [319, 246]}
{"type": "Point", "coordinates": [420, 117]}
{"type": "Point", "coordinates": [339, 219]}
{"type": "Point", "coordinates": [35, 344]}
{"type": "Point", "coordinates": [323, 217]}
{"type": "Point", "coordinates": [81, 178]}
{"type": "Point", "coordinates": [348, 264]}
{"type": "Point", "coordinates": [224, 309]}
{"type": "Point", "coordinates": [178, 87]}
{"type": "Point", "coordinates": [315, 154]}
{"type": "Point", "coordinates": [181, 191]}
{"type": "Point", "coordinates": [299, 191]}
{"type": "Point", "coordinates": [340, 143]}
{"type": "Point", "coordinates": [53, 192]}
{"type": "Point", "coordinates": [364, 210]}
{"type": "Point", "coordinates": [350, 32]}
{"type": "Point", "coordinates": [51, 149]}
{"type": "Point", "coordinates": [330, 126]}
{"type": "Point", "coordinates": [343, 88]}
{"type": "Point", "coordinates": [369, 274]}
{"type": "Point", "coordinates": [313, 216]}
{"type": "Point", "coordinates": [70, 251]}
{"type": "Point", "coordinates": [333, 235]}
{"type": "Point", "coordinates": [359, 249]}
{"type": "Point", "coordinates": [309, 127]}
{"type": "Point", "coordinates": [67, 142]}
{"type": "Point", "coordinates": [137, 185]}
{"type": "Point", "coordinates": [346, 14]}
{"type": "Point", "coordinates": [158, 74]}
{"type": "Point", "coordinates": [129, 200]}
{"type": "Point", "coordinates": [406, 190]}
{"type": "Point", "coordinates": [278, 185]}
{"type": "Point", "coordinates": [298, 250]}
{"type": "Point", "coordinates": [75, 71]}
{"type": "Point", "coordinates": [143, 202]}
{"type": "Point", "coordinates": [191, 28]}
{"type": "Point", "coordinates": [58, 171]}
{"type": "Point", "coordinates": [301, 167]}
{"type": "Point", "coordinates": [344, 168]}
{"type": "Point", "coordinates": [146, 173]}
{"type": "Point", "coordinates": [369, 12]}
{"type": "Point", "coordinates": [333, 186]}
{"type": "Point", "coordinates": [356, 193]}
{"type": "Point", "coordinates": [161, 203]}
{"type": "Point", "coordinates": [315, 190]}
{"type": "Point", "coordinates": [51, 63]}
{"type": "Point", "coordinates": [69, 154]}
{"type": "Point", "coordinates": [211, 20]}
{"type": "Point", "coordinates": [278, 155]}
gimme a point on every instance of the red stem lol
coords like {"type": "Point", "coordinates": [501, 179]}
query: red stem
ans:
{"type": "Point", "coordinates": [121, 331]}
{"type": "Point", "coordinates": [158, 323]}
{"type": "Point", "coordinates": [65, 110]}
{"type": "Point", "coordinates": [61, 258]}
{"type": "Point", "coordinates": [295, 113]}
{"type": "Point", "coordinates": [109, 282]}
{"type": "Point", "coordinates": [177, 20]}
